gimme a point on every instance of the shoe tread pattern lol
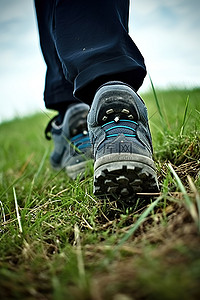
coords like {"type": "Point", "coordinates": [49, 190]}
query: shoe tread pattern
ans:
{"type": "Point", "coordinates": [120, 181]}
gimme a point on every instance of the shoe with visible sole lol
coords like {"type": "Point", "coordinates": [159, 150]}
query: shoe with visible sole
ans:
{"type": "Point", "coordinates": [72, 147]}
{"type": "Point", "coordinates": [122, 145]}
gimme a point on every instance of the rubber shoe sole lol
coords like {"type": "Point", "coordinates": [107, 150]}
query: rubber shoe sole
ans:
{"type": "Point", "coordinates": [124, 175]}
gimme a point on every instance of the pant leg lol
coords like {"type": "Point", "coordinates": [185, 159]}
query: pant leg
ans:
{"type": "Point", "coordinates": [94, 45]}
{"type": "Point", "coordinates": [58, 92]}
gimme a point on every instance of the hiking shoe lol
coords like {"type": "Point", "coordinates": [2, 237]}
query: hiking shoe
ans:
{"type": "Point", "coordinates": [72, 148]}
{"type": "Point", "coordinates": [122, 145]}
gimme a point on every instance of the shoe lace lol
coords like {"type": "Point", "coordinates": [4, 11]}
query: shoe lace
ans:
{"type": "Point", "coordinates": [81, 140]}
{"type": "Point", "coordinates": [113, 128]}
{"type": "Point", "coordinates": [48, 128]}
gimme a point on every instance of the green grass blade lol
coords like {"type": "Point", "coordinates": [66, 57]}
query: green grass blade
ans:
{"type": "Point", "coordinates": [184, 117]}
{"type": "Point", "coordinates": [12, 184]}
{"type": "Point", "coordinates": [158, 105]}
{"type": "Point", "coordinates": [188, 202]}
{"type": "Point", "coordinates": [3, 212]}
{"type": "Point", "coordinates": [196, 196]}
{"type": "Point", "coordinates": [41, 164]}
{"type": "Point", "coordinates": [17, 211]}
{"type": "Point", "coordinates": [35, 178]}
{"type": "Point", "coordinates": [138, 223]}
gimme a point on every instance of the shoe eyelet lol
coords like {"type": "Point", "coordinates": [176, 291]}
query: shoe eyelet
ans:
{"type": "Point", "coordinates": [110, 111]}
{"type": "Point", "coordinates": [125, 111]}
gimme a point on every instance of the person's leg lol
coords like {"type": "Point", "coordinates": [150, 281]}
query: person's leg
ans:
{"type": "Point", "coordinates": [68, 129]}
{"type": "Point", "coordinates": [97, 52]}
{"type": "Point", "coordinates": [58, 92]}
{"type": "Point", "coordinates": [94, 45]}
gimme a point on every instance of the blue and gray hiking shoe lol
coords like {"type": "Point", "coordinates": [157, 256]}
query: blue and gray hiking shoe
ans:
{"type": "Point", "coordinates": [72, 148]}
{"type": "Point", "coordinates": [122, 145]}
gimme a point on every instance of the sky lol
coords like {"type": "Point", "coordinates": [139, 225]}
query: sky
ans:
{"type": "Point", "coordinates": [167, 33]}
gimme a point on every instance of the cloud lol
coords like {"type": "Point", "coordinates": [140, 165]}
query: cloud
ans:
{"type": "Point", "coordinates": [11, 9]}
{"type": "Point", "coordinates": [22, 69]}
{"type": "Point", "coordinates": [167, 33]}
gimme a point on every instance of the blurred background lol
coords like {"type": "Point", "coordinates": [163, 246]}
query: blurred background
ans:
{"type": "Point", "coordinates": [167, 33]}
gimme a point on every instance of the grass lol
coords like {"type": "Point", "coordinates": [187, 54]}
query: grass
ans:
{"type": "Point", "coordinates": [58, 241]}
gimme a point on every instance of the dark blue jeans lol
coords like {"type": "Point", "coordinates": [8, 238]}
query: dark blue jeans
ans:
{"type": "Point", "coordinates": [85, 43]}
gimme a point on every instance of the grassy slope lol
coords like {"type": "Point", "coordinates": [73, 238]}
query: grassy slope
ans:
{"type": "Point", "coordinates": [68, 245]}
